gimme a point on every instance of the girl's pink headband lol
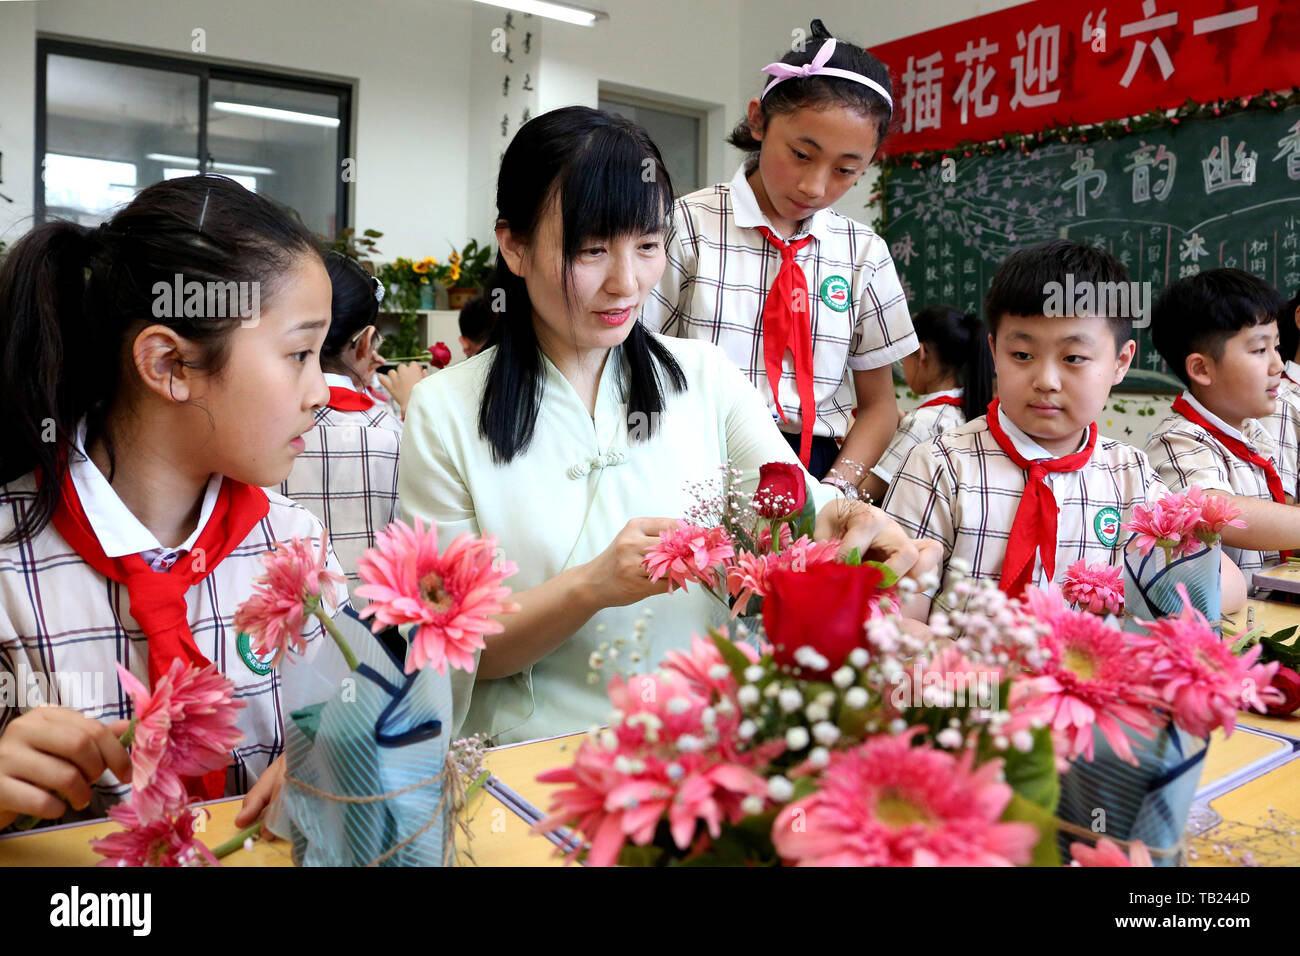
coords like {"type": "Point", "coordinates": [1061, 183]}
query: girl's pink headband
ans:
{"type": "Point", "coordinates": [818, 67]}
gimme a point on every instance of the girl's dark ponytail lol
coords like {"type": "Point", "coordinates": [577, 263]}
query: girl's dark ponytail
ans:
{"type": "Point", "coordinates": [979, 369]}
{"type": "Point", "coordinates": [72, 297]}
{"type": "Point", "coordinates": [961, 344]}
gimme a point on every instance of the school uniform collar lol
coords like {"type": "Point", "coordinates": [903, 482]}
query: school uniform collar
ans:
{"type": "Point", "coordinates": [946, 393]}
{"type": "Point", "coordinates": [1293, 371]}
{"type": "Point", "coordinates": [746, 214]}
{"type": "Point", "coordinates": [1026, 446]}
{"type": "Point", "coordinates": [334, 380]}
{"type": "Point", "coordinates": [118, 530]}
{"type": "Point", "coordinates": [1251, 432]}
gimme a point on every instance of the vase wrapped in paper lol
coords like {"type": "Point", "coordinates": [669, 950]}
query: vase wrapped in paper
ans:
{"type": "Point", "coordinates": [368, 781]}
{"type": "Point", "coordinates": [1176, 543]}
{"type": "Point", "coordinates": [1138, 710]}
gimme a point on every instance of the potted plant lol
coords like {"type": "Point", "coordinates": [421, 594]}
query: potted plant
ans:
{"type": "Point", "coordinates": [465, 273]}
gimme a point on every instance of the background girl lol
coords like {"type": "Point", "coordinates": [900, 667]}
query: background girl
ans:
{"type": "Point", "coordinates": [141, 429]}
{"type": "Point", "coordinates": [574, 437]}
{"type": "Point", "coordinates": [347, 473]}
{"type": "Point", "coordinates": [762, 266]}
{"type": "Point", "coordinates": [952, 372]}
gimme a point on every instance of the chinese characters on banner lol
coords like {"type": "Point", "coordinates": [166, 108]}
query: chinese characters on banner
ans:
{"type": "Point", "coordinates": [1048, 63]}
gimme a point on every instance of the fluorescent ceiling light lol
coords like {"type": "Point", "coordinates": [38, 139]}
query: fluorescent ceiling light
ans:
{"type": "Point", "coordinates": [268, 112]}
{"type": "Point", "coordinates": [555, 11]}
{"type": "Point", "coordinates": [228, 167]}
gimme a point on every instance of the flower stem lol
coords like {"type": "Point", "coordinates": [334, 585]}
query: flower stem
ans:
{"type": "Point", "coordinates": [237, 841]}
{"type": "Point", "coordinates": [339, 639]}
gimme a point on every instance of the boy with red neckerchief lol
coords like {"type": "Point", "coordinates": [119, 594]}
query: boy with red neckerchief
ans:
{"type": "Point", "coordinates": [1021, 493]}
{"type": "Point", "coordinates": [1218, 332]}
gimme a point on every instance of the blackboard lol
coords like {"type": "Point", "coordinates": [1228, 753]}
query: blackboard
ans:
{"type": "Point", "coordinates": [1164, 201]}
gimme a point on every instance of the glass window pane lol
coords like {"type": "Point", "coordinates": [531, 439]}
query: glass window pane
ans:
{"type": "Point", "coordinates": [110, 128]}
{"type": "Point", "coordinates": [286, 139]}
{"type": "Point", "coordinates": [676, 134]}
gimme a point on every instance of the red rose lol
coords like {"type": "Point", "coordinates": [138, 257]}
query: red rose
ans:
{"type": "Point", "coordinates": [823, 608]}
{"type": "Point", "coordinates": [440, 355]}
{"type": "Point", "coordinates": [781, 490]}
{"type": "Point", "coordinates": [1288, 682]}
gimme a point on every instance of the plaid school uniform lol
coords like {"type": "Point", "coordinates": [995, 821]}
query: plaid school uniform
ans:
{"type": "Point", "coordinates": [720, 269]}
{"type": "Point", "coordinates": [963, 490]}
{"type": "Point", "coordinates": [1185, 454]}
{"type": "Point", "coordinates": [918, 426]}
{"type": "Point", "coordinates": [347, 477]}
{"type": "Point", "coordinates": [64, 627]}
{"type": "Point", "coordinates": [1283, 426]}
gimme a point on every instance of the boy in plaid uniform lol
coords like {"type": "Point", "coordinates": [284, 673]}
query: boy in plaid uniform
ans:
{"type": "Point", "coordinates": [1218, 331]}
{"type": "Point", "coordinates": [1019, 494]}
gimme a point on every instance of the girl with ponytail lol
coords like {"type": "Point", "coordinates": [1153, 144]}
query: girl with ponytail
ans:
{"type": "Point", "coordinates": [952, 372]}
{"type": "Point", "coordinates": [575, 436]}
{"type": "Point", "coordinates": [806, 302]}
{"type": "Point", "coordinates": [157, 372]}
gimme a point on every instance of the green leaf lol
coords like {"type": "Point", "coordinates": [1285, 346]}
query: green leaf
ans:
{"type": "Point", "coordinates": [1033, 775]}
{"type": "Point", "coordinates": [732, 656]}
{"type": "Point", "coordinates": [1020, 810]}
{"type": "Point", "coordinates": [889, 577]}
{"type": "Point", "coordinates": [1274, 650]}
{"type": "Point", "coordinates": [853, 558]}
{"type": "Point", "coordinates": [807, 520]}
{"type": "Point", "coordinates": [640, 856]}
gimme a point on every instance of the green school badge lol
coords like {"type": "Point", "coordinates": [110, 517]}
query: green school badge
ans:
{"type": "Point", "coordinates": [255, 664]}
{"type": "Point", "coordinates": [1106, 525]}
{"type": "Point", "coordinates": [835, 293]}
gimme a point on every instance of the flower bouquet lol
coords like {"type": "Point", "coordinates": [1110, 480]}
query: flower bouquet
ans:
{"type": "Point", "coordinates": [1140, 708]}
{"type": "Point", "coordinates": [1178, 543]}
{"type": "Point", "coordinates": [841, 738]}
{"type": "Point", "coordinates": [846, 738]}
{"type": "Point", "coordinates": [368, 780]}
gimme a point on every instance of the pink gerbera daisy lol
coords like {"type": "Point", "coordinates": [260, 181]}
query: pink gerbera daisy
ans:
{"type": "Point", "coordinates": [704, 667]}
{"type": "Point", "coordinates": [889, 803]}
{"type": "Point", "coordinates": [1096, 588]}
{"type": "Point", "coordinates": [1090, 675]}
{"type": "Point", "coordinates": [452, 597]}
{"type": "Point", "coordinates": [185, 727]}
{"type": "Point", "coordinates": [689, 553]}
{"type": "Point", "coordinates": [295, 577]}
{"type": "Point", "coordinates": [163, 841]}
{"type": "Point", "coordinates": [748, 575]}
{"type": "Point", "coordinates": [1108, 853]}
{"type": "Point", "coordinates": [1217, 512]}
{"type": "Point", "coordinates": [1169, 523]}
{"type": "Point", "coordinates": [1198, 676]}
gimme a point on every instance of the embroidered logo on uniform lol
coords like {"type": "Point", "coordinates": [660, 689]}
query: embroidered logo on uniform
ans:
{"type": "Point", "coordinates": [1106, 525]}
{"type": "Point", "coordinates": [835, 293]}
{"type": "Point", "coordinates": [255, 664]}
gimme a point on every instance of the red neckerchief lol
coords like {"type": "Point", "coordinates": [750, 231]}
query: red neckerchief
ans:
{"type": "Point", "coordinates": [1238, 448]}
{"type": "Point", "coordinates": [1034, 527]}
{"type": "Point", "coordinates": [349, 400]}
{"type": "Point", "coordinates": [943, 400]}
{"type": "Point", "coordinates": [157, 598]}
{"type": "Point", "coordinates": [787, 326]}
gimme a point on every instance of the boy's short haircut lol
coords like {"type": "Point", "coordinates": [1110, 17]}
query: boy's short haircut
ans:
{"type": "Point", "coordinates": [1201, 312]}
{"type": "Point", "coordinates": [1023, 284]}
{"type": "Point", "coordinates": [477, 320]}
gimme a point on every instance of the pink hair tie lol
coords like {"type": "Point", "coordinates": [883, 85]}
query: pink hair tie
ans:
{"type": "Point", "coordinates": [784, 71]}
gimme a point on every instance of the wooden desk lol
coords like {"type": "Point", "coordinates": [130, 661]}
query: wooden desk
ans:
{"type": "Point", "coordinates": [498, 836]}
{"type": "Point", "coordinates": [1260, 818]}
{"type": "Point", "coordinates": [1234, 755]}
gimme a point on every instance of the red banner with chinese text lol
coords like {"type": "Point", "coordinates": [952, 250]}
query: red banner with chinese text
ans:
{"type": "Point", "coordinates": [1048, 63]}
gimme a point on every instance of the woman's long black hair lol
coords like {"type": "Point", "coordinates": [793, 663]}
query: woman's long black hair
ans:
{"type": "Point", "coordinates": [961, 343]}
{"type": "Point", "coordinates": [610, 181]}
{"type": "Point", "coordinates": [72, 298]}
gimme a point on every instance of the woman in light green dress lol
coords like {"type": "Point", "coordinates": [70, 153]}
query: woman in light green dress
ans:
{"type": "Point", "coordinates": [576, 436]}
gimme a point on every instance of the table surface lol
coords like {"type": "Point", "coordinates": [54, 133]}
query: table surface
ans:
{"type": "Point", "coordinates": [1260, 815]}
